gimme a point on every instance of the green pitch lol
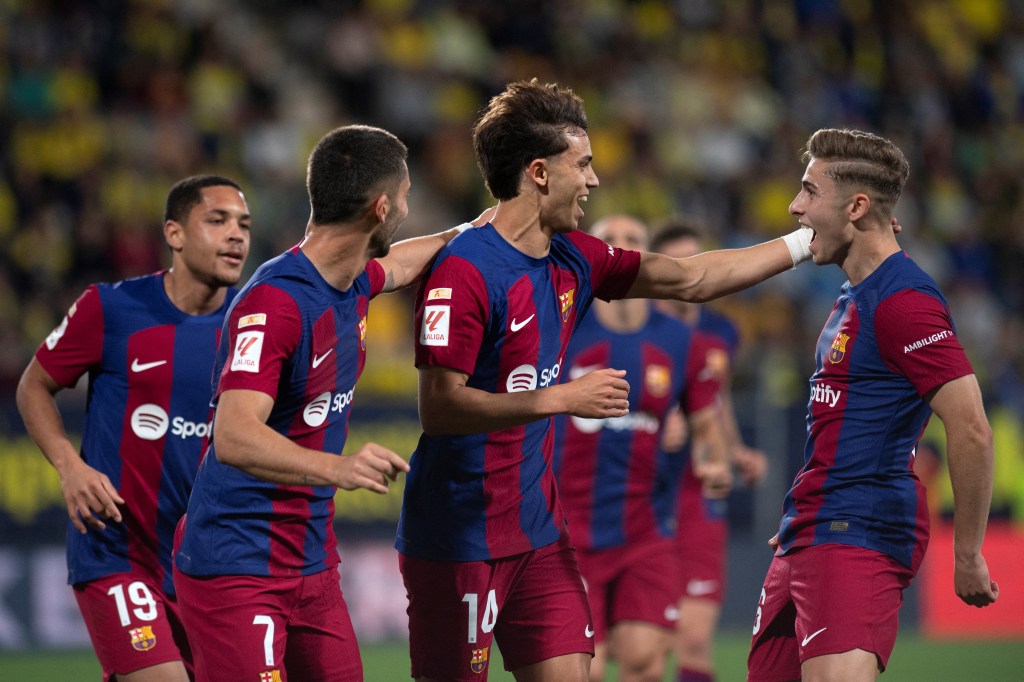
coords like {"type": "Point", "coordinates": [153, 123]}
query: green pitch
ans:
{"type": "Point", "coordinates": [914, 660]}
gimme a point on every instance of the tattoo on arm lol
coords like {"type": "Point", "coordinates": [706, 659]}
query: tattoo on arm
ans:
{"type": "Point", "coordinates": [389, 281]}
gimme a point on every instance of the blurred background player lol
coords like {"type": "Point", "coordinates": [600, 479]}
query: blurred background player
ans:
{"type": "Point", "coordinates": [488, 559]}
{"type": "Point", "coordinates": [617, 489]}
{"type": "Point", "coordinates": [148, 346]}
{"type": "Point", "coordinates": [703, 524]}
{"type": "Point", "coordinates": [256, 561]}
{"type": "Point", "coordinates": [855, 523]}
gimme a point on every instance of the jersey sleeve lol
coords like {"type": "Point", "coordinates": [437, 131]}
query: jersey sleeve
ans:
{"type": "Point", "coordinates": [613, 270]}
{"type": "Point", "coordinates": [375, 271]}
{"type": "Point", "coordinates": [264, 330]}
{"type": "Point", "coordinates": [452, 312]}
{"type": "Point", "coordinates": [706, 371]}
{"type": "Point", "coordinates": [76, 344]}
{"type": "Point", "coordinates": [917, 340]}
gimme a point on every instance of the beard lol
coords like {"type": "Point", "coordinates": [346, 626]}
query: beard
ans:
{"type": "Point", "coordinates": [380, 240]}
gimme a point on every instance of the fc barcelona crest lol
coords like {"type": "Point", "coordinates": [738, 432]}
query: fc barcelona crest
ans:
{"type": "Point", "coordinates": [658, 380]}
{"type": "Point", "coordinates": [566, 300]}
{"type": "Point", "coordinates": [143, 638]}
{"type": "Point", "coordinates": [362, 333]}
{"type": "Point", "coordinates": [838, 350]}
{"type": "Point", "coordinates": [478, 663]}
{"type": "Point", "coordinates": [271, 676]}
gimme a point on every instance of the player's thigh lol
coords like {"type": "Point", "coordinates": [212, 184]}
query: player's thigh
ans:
{"type": "Point", "coordinates": [640, 648]}
{"type": "Point", "coordinates": [774, 651]}
{"type": "Point", "coordinates": [237, 624]}
{"type": "Point", "coordinates": [132, 624]}
{"type": "Point", "coordinates": [564, 668]}
{"type": "Point", "coordinates": [453, 610]}
{"type": "Point", "coordinates": [855, 665]}
{"type": "Point", "coordinates": [647, 587]}
{"type": "Point", "coordinates": [847, 598]}
{"type": "Point", "coordinates": [321, 642]}
{"type": "Point", "coordinates": [546, 614]}
{"type": "Point", "coordinates": [173, 671]}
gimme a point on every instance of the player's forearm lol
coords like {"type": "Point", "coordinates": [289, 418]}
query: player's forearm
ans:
{"type": "Point", "coordinates": [43, 423]}
{"type": "Point", "coordinates": [970, 455]}
{"type": "Point", "coordinates": [409, 259]}
{"type": "Point", "coordinates": [464, 410]}
{"type": "Point", "coordinates": [261, 452]}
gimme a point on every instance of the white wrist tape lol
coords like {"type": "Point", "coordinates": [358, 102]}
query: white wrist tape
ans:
{"type": "Point", "coordinates": [799, 244]}
{"type": "Point", "coordinates": [463, 227]}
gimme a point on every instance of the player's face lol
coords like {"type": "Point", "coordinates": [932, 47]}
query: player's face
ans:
{"type": "Point", "coordinates": [215, 237]}
{"type": "Point", "coordinates": [571, 177]}
{"type": "Point", "coordinates": [398, 202]}
{"type": "Point", "coordinates": [823, 207]}
{"type": "Point", "coordinates": [622, 232]}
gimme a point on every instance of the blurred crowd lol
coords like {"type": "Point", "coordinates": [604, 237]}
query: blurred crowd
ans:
{"type": "Point", "coordinates": [697, 107]}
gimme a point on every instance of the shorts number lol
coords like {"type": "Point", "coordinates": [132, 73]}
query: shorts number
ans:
{"type": "Point", "coordinates": [760, 605]}
{"type": "Point", "coordinates": [268, 637]}
{"type": "Point", "coordinates": [490, 614]}
{"type": "Point", "coordinates": [140, 596]}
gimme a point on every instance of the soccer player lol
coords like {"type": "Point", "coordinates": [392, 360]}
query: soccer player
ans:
{"type": "Point", "coordinates": [618, 491]}
{"type": "Point", "coordinates": [483, 548]}
{"type": "Point", "coordinates": [256, 563]}
{"type": "Point", "coordinates": [855, 523]}
{"type": "Point", "coordinates": [703, 526]}
{"type": "Point", "coordinates": [148, 345]}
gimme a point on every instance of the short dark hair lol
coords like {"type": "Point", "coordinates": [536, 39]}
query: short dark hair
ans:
{"type": "Point", "coordinates": [346, 166]}
{"type": "Point", "coordinates": [860, 159]}
{"type": "Point", "coordinates": [187, 192]}
{"type": "Point", "coordinates": [674, 229]}
{"type": "Point", "coordinates": [527, 121]}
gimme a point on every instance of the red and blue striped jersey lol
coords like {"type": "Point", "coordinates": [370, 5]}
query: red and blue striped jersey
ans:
{"type": "Point", "coordinates": [504, 318]}
{"type": "Point", "coordinates": [296, 338]}
{"type": "Point", "coordinates": [888, 342]}
{"type": "Point", "coordinates": [147, 415]}
{"type": "Point", "coordinates": [617, 486]}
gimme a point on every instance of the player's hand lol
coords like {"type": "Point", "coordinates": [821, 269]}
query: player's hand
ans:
{"type": "Point", "coordinates": [715, 478]}
{"type": "Point", "coordinates": [599, 394]}
{"type": "Point", "coordinates": [90, 497]}
{"type": "Point", "coordinates": [896, 227]}
{"type": "Point", "coordinates": [774, 541]}
{"type": "Point", "coordinates": [674, 430]}
{"type": "Point", "coordinates": [972, 582]}
{"type": "Point", "coordinates": [371, 467]}
{"type": "Point", "coordinates": [484, 217]}
{"type": "Point", "coordinates": [751, 464]}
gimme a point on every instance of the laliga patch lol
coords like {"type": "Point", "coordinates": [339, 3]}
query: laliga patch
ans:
{"type": "Point", "coordinates": [478, 660]}
{"type": "Point", "coordinates": [251, 320]}
{"type": "Point", "coordinates": [439, 293]}
{"type": "Point", "coordinates": [434, 331]}
{"type": "Point", "coordinates": [143, 638]}
{"type": "Point", "coordinates": [248, 348]}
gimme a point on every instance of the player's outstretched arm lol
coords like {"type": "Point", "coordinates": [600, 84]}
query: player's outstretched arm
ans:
{"type": "Point", "coordinates": [88, 493]}
{"type": "Point", "coordinates": [448, 406]}
{"type": "Point", "coordinates": [245, 441]}
{"type": "Point", "coordinates": [970, 453]}
{"type": "Point", "coordinates": [712, 274]}
{"type": "Point", "coordinates": [410, 259]}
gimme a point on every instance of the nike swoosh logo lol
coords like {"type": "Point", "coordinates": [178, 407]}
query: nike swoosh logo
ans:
{"type": "Point", "coordinates": [588, 631]}
{"type": "Point", "coordinates": [699, 588]}
{"type": "Point", "coordinates": [516, 326]}
{"type": "Point", "coordinates": [143, 366]}
{"type": "Point", "coordinates": [318, 359]}
{"type": "Point", "coordinates": [808, 638]}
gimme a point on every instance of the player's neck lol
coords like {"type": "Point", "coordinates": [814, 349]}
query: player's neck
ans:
{"type": "Point", "coordinates": [338, 254]}
{"type": "Point", "coordinates": [517, 220]}
{"type": "Point", "coordinates": [625, 316]}
{"type": "Point", "coordinates": [867, 254]}
{"type": "Point", "coordinates": [191, 296]}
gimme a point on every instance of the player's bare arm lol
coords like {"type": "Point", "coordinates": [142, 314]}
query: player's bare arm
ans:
{"type": "Point", "coordinates": [970, 453]}
{"type": "Point", "coordinates": [89, 495]}
{"type": "Point", "coordinates": [713, 274]}
{"type": "Point", "coordinates": [246, 442]}
{"type": "Point", "coordinates": [710, 452]}
{"type": "Point", "coordinates": [410, 259]}
{"type": "Point", "coordinates": [448, 406]}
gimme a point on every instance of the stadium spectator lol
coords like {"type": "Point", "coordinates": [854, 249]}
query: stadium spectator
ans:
{"type": "Point", "coordinates": [616, 486]}
{"type": "Point", "coordinates": [256, 560]}
{"type": "Point", "coordinates": [855, 523]}
{"type": "Point", "coordinates": [490, 558]}
{"type": "Point", "coordinates": [147, 345]}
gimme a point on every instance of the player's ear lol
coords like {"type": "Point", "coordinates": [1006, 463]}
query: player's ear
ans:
{"type": "Point", "coordinates": [537, 172]}
{"type": "Point", "coordinates": [861, 204]}
{"type": "Point", "coordinates": [381, 206]}
{"type": "Point", "coordinates": [174, 235]}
